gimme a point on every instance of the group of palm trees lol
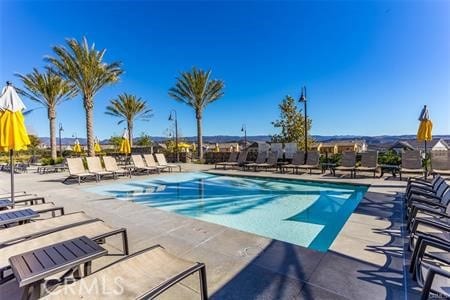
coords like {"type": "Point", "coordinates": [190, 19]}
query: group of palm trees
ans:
{"type": "Point", "coordinates": [78, 69]}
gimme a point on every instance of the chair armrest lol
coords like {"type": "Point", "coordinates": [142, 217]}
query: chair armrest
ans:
{"type": "Point", "coordinates": [419, 180]}
{"type": "Point", "coordinates": [427, 202]}
{"type": "Point", "coordinates": [420, 192]}
{"type": "Point", "coordinates": [423, 242]}
{"type": "Point", "coordinates": [427, 209]}
{"type": "Point", "coordinates": [32, 201]}
{"type": "Point", "coordinates": [430, 223]}
{"type": "Point", "coordinates": [432, 272]}
{"type": "Point", "coordinates": [427, 242]}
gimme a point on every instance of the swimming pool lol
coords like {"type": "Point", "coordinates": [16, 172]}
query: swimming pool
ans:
{"type": "Point", "coordinates": [308, 214]}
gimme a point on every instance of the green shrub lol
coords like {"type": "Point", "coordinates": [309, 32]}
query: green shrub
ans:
{"type": "Point", "coordinates": [50, 161]}
{"type": "Point", "coordinates": [389, 158]}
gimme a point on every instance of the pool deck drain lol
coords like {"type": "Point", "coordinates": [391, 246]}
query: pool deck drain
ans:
{"type": "Point", "coordinates": [366, 260]}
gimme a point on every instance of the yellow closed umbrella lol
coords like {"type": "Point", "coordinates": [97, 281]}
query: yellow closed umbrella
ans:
{"type": "Point", "coordinates": [125, 146]}
{"type": "Point", "coordinates": [97, 147]}
{"type": "Point", "coordinates": [77, 146]}
{"type": "Point", "coordinates": [13, 133]}
{"type": "Point", "coordinates": [425, 127]}
{"type": "Point", "coordinates": [424, 132]}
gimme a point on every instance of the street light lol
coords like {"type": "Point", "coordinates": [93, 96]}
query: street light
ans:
{"type": "Point", "coordinates": [244, 130]}
{"type": "Point", "coordinates": [173, 117]}
{"type": "Point", "coordinates": [61, 129]}
{"type": "Point", "coordinates": [303, 99]}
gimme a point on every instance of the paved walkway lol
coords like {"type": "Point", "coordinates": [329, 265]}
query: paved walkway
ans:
{"type": "Point", "coordinates": [366, 261]}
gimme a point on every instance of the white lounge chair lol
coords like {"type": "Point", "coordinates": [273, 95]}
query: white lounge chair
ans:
{"type": "Point", "coordinates": [161, 159]}
{"type": "Point", "coordinates": [95, 166]}
{"type": "Point", "coordinates": [111, 166]}
{"type": "Point", "coordinates": [139, 164]}
{"type": "Point", "coordinates": [77, 170]}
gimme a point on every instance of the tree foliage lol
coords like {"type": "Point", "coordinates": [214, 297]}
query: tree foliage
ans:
{"type": "Point", "coordinates": [34, 142]}
{"type": "Point", "coordinates": [144, 140]}
{"type": "Point", "coordinates": [196, 89]}
{"type": "Point", "coordinates": [84, 66]}
{"type": "Point", "coordinates": [115, 140]}
{"type": "Point", "coordinates": [129, 108]}
{"type": "Point", "coordinates": [291, 124]}
{"type": "Point", "coordinates": [48, 89]}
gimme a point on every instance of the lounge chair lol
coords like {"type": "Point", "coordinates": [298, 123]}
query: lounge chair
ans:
{"type": "Point", "coordinates": [242, 159]}
{"type": "Point", "coordinates": [440, 163]}
{"type": "Point", "coordinates": [420, 183]}
{"type": "Point", "coordinates": [144, 275]}
{"type": "Point", "coordinates": [38, 228]}
{"type": "Point", "coordinates": [111, 166]}
{"type": "Point", "coordinates": [272, 161]}
{"type": "Point", "coordinates": [77, 170]}
{"type": "Point", "coordinates": [289, 150]}
{"type": "Point", "coordinates": [150, 162]}
{"type": "Point", "coordinates": [161, 159]}
{"type": "Point", "coordinates": [422, 196]}
{"type": "Point", "coordinates": [39, 208]}
{"type": "Point", "coordinates": [425, 191]}
{"type": "Point", "coordinates": [95, 167]}
{"type": "Point", "coordinates": [231, 161]}
{"type": "Point", "coordinates": [428, 269]}
{"type": "Point", "coordinates": [411, 163]}
{"type": "Point", "coordinates": [97, 231]}
{"type": "Point", "coordinates": [369, 162]}
{"type": "Point", "coordinates": [260, 159]}
{"type": "Point", "coordinates": [277, 147]}
{"type": "Point", "coordinates": [312, 161]}
{"type": "Point", "coordinates": [297, 160]}
{"type": "Point", "coordinates": [139, 164]}
{"type": "Point", "coordinates": [348, 163]}
{"type": "Point", "coordinates": [428, 223]}
{"type": "Point", "coordinates": [23, 200]}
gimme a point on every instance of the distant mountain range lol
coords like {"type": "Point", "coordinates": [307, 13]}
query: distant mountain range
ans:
{"type": "Point", "coordinates": [370, 140]}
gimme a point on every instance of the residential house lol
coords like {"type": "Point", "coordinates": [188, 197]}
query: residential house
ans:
{"type": "Point", "coordinates": [433, 145]}
{"type": "Point", "coordinates": [340, 146]}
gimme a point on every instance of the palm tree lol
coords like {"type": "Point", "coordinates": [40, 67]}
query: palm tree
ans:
{"type": "Point", "coordinates": [196, 89]}
{"type": "Point", "coordinates": [129, 108]}
{"type": "Point", "coordinates": [83, 65]}
{"type": "Point", "coordinates": [48, 89]}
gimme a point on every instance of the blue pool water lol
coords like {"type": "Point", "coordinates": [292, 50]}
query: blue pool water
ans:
{"type": "Point", "coordinates": [303, 213]}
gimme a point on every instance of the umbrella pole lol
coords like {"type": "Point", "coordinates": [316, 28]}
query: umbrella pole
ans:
{"type": "Point", "coordinates": [11, 161]}
{"type": "Point", "coordinates": [426, 161]}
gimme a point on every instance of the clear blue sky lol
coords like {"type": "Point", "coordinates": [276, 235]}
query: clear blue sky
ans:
{"type": "Point", "coordinates": [368, 66]}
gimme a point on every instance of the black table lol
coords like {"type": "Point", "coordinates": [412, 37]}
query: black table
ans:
{"type": "Point", "coordinates": [394, 169]}
{"type": "Point", "coordinates": [329, 166]}
{"type": "Point", "coordinates": [18, 216]}
{"type": "Point", "coordinates": [31, 268]}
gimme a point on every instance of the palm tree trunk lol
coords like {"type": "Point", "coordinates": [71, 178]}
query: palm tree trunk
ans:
{"type": "Point", "coordinates": [130, 132]}
{"type": "Point", "coordinates": [199, 135]}
{"type": "Point", "coordinates": [52, 119]}
{"type": "Point", "coordinates": [89, 126]}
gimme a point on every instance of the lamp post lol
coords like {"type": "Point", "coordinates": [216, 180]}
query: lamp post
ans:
{"type": "Point", "coordinates": [173, 117]}
{"type": "Point", "coordinates": [303, 99]}
{"type": "Point", "coordinates": [244, 130]}
{"type": "Point", "coordinates": [61, 129]}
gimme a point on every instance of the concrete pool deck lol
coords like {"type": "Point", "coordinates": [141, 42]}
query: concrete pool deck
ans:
{"type": "Point", "coordinates": [366, 261]}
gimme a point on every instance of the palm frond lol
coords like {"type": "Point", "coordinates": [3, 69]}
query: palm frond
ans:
{"type": "Point", "coordinates": [196, 89]}
{"type": "Point", "coordinates": [84, 66]}
{"type": "Point", "coordinates": [47, 88]}
{"type": "Point", "coordinates": [129, 108]}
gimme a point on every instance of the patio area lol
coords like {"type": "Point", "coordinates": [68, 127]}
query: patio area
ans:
{"type": "Point", "coordinates": [367, 259]}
